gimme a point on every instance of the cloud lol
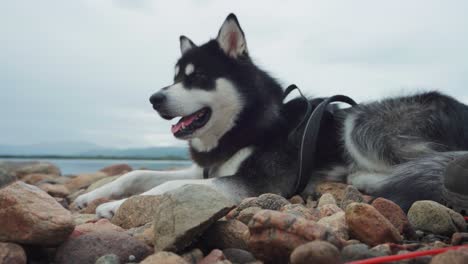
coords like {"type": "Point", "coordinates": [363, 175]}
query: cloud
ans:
{"type": "Point", "coordinates": [83, 70]}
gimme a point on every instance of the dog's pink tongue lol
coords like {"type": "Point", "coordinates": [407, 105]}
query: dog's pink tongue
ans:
{"type": "Point", "coordinates": [185, 121]}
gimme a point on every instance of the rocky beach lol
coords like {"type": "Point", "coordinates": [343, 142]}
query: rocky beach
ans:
{"type": "Point", "coordinates": [194, 224]}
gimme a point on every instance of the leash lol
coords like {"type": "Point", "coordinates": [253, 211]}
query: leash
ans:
{"type": "Point", "coordinates": [308, 147]}
{"type": "Point", "coordinates": [411, 255]}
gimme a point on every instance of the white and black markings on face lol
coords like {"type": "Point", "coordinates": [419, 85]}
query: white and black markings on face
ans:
{"type": "Point", "coordinates": [193, 77]}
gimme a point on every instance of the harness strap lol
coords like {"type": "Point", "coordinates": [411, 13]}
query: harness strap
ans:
{"type": "Point", "coordinates": [308, 146]}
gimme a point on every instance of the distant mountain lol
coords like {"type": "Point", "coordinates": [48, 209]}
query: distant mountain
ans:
{"type": "Point", "coordinates": [87, 149]}
{"type": "Point", "coordinates": [52, 148]}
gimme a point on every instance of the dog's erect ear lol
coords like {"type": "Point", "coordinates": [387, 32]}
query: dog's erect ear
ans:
{"type": "Point", "coordinates": [186, 44]}
{"type": "Point", "coordinates": [231, 37]}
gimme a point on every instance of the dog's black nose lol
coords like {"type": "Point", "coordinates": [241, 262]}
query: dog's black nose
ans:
{"type": "Point", "coordinates": [157, 98]}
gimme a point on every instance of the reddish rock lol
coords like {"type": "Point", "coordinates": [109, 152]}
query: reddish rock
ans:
{"type": "Point", "coordinates": [395, 215]}
{"type": "Point", "coordinates": [37, 177]}
{"type": "Point", "coordinates": [226, 234]}
{"type": "Point", "coordinates": [317, 252]}
{"type": "Point", "coordinates": [274, 235]}
{"type": "Point", "coordinates": [100, 225]}
{"type": "Point", "coordinates": [369, 226]}
{"type": "Point", "coordinates": [55, 190]}
{"type": "Point", "coordinates": [164, 257]}
{"type": "Point", "coordinates": [12, 254]}
{"type": "Point", "coordinates": [31, 216]}
{"type": "Point", "coordinates": [89, 247]}
{"type": "Point", "coordinates": [137, 211]}
{"type": "Point", "coordinates": [335, 188]}
{"type": "Point", "coordinates": [116, 169]}
{"type": "Point", "coordinates": [214, 257]}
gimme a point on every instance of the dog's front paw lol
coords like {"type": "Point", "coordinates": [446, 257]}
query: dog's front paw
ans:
{"type": "Point", "coordinates": [83, 200]}
{"type": "Point", "coordinates": [108, 210]}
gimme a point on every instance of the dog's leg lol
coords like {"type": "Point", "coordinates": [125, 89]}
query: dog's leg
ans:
{"type": "Point", "coordinates": [421, 179]}
{"type": "Point", "coordinates": [136, 182]}
{"type": "Point", "coordinates": [233, 187]}
{"type": "Point", "coordinates": [367, 182]}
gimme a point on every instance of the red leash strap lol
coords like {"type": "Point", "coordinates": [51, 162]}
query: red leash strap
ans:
{"type": "Point", "coordinates": [410, 255]}
{"type": "Point", "coordinates": [466, 218]}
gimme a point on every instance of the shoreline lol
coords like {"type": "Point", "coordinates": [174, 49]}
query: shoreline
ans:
{"type": "Point", "coordinates": [78, 157]}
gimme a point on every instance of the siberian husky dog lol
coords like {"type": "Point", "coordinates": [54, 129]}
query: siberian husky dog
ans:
{"type": "Point", "coordinates": [243, 136]}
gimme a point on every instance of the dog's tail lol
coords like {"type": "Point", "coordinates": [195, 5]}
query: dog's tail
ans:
{"type": "Point", "coordinates": [425, 179]}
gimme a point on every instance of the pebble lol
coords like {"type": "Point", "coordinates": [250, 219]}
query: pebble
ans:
{"type": "Point", "coordinates": [116, 169]}
{"type": "Point", "coordinates": [296, 199]}
{"type": "Point", "coordinates": [274, 235]}
{"type": "Point", "coordinates": [301, 210]}
{"type": "Point", "coordinates": [35, 178]}
{"type": "Point", "coordinates": [246, 215]}
{"type": "Point", "coordinates": [329, 209]}
{"type": "Point", "coordinates": [459, 239]}
{"type": "Point", "coordinates": [185, 213]}
{"type": "Point", "coordinates": [337, 224]}
{"type": "Point", "coordinates": [226, 234]}
{"type": "Point", "coordinates": [137, 211]}
{"type": "Point", "coordinates": [435, 218]}
{"type": "Point", "coordinates": [265, 201]}
{"type": "Point", "coordinates": [452, 257]}
{"type": "Point", "coordinates": [6, 177]}
{"type": "Point", "coordinates": [317, 252]}
{"type": "Point", "coordinates": [369, 226]}
{"type": "Point", "coordinates": [100, 225]}
{"type": "Point", "coordinates": [143, 233]}
{"type": "Point", "coordinates": [214, 257]}
{"type": "Point", "coordinates": [37, 167]}
{"type": "Point", "coordinates": [108, 259]}
{"type": "Point", "coordinates": [326, 198]}
{"type": "Point", "coordinates": [55, 190]}
{"type": "Point", "coordinates": [12, 253]}
{"type": "Point", "coordinates": [351, 195]}
{"type": "Point", "coordinates": [84, 180]}
{"type": "Point", "coordinates": [337, 189]}
{"type": "Point", "coordinates": [88, 247]}
{"type": "Point", "coordinates": [395, 215]}
{"type": "Point", "coordinates": [91, 207]}
{"type": "Point", "coordinates": [164, 257]}
{"type": "Point", "coordinates": [193, 256]}
{"type": "Point", "coordinates": [236, 255]}
{"type": "Point", "coordinates": [31, 216]}
{"type": "Point", "coordinates": [355, 252]}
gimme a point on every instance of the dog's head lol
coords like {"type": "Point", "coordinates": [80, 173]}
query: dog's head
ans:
{"type": "Point", "coordinates": [212, 86]}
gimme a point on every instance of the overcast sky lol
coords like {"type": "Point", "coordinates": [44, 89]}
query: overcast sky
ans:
{"type": "Point", "coordinates": [84, 70]}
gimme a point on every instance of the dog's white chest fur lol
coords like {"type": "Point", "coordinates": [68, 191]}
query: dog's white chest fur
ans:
{"type": "Point", "coordinates": [231, 166]}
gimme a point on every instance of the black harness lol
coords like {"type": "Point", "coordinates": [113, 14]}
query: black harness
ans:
{"type": "Point", "coordinates": [308, 147]}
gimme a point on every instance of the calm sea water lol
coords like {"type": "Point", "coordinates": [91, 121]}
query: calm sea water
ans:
{"type": "Point", "coordinates": [76, 166]}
